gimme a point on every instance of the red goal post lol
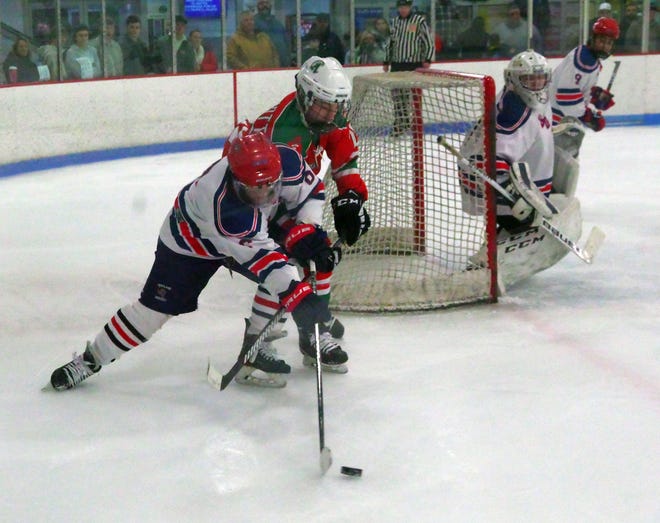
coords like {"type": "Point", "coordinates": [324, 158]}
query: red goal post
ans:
{"type": "Point", "coordinates": [427, 248]}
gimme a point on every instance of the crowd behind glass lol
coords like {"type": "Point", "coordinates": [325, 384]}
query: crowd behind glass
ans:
{"type": "Point", "coordinates": [59, 40]}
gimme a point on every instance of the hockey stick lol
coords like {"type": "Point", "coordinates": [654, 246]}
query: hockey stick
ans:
{"type": "Point", "coordinates": [596, 236]}
{"type": "Point", "coordinates": [220, 381]}
{"type": "Point", "coordinates": [617, 63]}
{"type": "Point", "coordinates": [325, 452]}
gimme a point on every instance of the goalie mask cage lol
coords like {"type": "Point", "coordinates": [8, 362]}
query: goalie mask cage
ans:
{"type": "Point", "coordinates": [420, 251]}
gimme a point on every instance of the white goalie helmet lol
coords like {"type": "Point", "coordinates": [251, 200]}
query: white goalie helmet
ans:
{"type": "Point", "coordinates": [528, 75]}
{"type": "Point", "coordinates": [323, 79]}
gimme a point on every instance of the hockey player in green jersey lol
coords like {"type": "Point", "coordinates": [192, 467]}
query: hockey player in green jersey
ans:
{"type": "Point", "coordinates": [313, 120]}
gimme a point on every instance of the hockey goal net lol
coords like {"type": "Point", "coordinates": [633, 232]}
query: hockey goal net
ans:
{"type": "Point", "coordinates": [419, 253]}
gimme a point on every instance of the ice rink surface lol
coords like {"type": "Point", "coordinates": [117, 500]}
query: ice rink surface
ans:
{"type": "Point", "coordinates": [542, 408]}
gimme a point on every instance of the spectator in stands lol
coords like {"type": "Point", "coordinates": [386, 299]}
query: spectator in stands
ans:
{"type": "Point", "coordinates": [81, 59]}
{"type": "Point", "coordinates": [321, 41]}
{"type": "Point", "coordinates": [205, 59]}
{"type": "Point", "coordinates": [18, 66]}
{"type": "Point", "coordinates": [135, 52]}
{"type": "Point", "coordinates": [604, 9]}
{"type": "Point", "coordinates": [630, 14]}
{"type": "Point", "coordinates": [473, 42]}
{"type": "Point", "coordinates": [368, 50]}
{"type": "Point", "coordinates": [513, 34]}
{"type": "Point", "coordinates": [49, 56]}
{"type": "Point", "coordinates": [248, 49]}
{"type": "Point", "coordinates": [265, 22]}
{"type": "Point", "coordinates": [113, 61]}
{"type": "Point", "coordinates": [381, 31]}
{"type": "Point", "coordinates": [633, 40]}
{"type": "Point", "coordinates": [185, 58]}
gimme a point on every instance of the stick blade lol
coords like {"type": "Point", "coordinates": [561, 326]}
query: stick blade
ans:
{"type": "Point", "coordinates": [213, 376]}
{"type": "Point", "coordinates": [594, 241]}
{"type": "Point", "coordinates": [326, 459]}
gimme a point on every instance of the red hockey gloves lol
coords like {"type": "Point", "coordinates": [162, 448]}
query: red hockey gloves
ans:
{"type": "Point", "coordinates": [594, 121]}
{"type": "Point", "coordinates": [601, 98]}
{"type": "Point", "coordinates": [351, 218]}
{"type": "Point", "coordinates": [309, 242]}
{"type": "Point", "coordinates": [305, 306]}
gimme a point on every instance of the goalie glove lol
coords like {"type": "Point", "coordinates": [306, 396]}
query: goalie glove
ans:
{"type": "Point", "coordinates": [351, 218]}
{"type": "Point", "coordinates": [309, 242]}
{"type": "Point", "coordinates": [520, 209]}
{"type": "Point", "coordinates": [601, 98]}
{"type": "Point", "coordinates": [594, 121]}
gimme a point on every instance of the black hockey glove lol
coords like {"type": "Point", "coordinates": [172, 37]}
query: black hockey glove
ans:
{"type": "Point", "coordinates": [601, 98]}
{"type": "Point", "coordinates": [351, 218]}
{"type": "Point", "coordinates": [309, 242]}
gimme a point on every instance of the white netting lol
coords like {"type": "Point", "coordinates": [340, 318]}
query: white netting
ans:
{"type": "Point", "coordinates": [416, 253]}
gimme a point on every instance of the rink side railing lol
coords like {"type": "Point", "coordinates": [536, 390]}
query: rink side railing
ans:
{"type": "Point", "coordinates": [46, 126]}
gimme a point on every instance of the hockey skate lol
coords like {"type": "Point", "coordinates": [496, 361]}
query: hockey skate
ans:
{"type": "Point", "coordinates": [266, 368]}
{"type": "Point", "coordinates": [335, 327]}
{"type": "Point", "coordinates": [333, 357]}
{"type": "Point", "coordinates": [76, 371]}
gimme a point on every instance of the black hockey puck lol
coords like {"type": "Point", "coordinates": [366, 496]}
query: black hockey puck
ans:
{"type": "Point", "coordinates": [351, 471]}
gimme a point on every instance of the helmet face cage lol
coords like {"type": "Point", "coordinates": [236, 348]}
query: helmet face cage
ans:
{"type": "Point", "coordinates": [259, 196]}
{"type": "Point", "coordinates": [323, 80]}
{"type": "Point", "coordinates": [256, 168]}
{"type": "Point", "coordinates": [528, 75]}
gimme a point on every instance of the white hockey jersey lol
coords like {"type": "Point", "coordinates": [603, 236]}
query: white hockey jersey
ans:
{"type": "Point", "coordinates": [572, 80]}
{"type": "Point", "coordinates": [208, 220]}
{"type": "Point", "coordinates": [523, 134]}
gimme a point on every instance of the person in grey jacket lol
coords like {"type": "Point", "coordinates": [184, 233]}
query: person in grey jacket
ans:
{"type": "Point", "coordinates": [81, 59]}
{"type": "Point", "coordinates": [113, 61]}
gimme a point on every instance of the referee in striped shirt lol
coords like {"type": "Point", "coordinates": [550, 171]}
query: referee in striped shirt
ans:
{"type": "Point", "coordinates": [409, 48]}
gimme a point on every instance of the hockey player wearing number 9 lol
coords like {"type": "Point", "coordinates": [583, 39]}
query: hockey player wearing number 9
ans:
{"type": "Point", "coordinates": [523, 134]}
{"type": "Point", "coordinates": [220, 219]}
{"type": "Point", "coordinates": [573, 91]}
{"type": "Point", "coordinates": [313, 120]}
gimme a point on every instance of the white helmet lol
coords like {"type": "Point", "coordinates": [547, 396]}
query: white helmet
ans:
{"type": "Point", "coordinates": [528, 74]}
{"type": "Point", "coordinates": [323, 79]}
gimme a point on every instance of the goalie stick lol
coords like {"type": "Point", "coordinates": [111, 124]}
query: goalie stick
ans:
{"type": "Point", "coordinates": [325, 452]}
{"type": "Point", "coordinates": [220, 381]}
{"type": "Point", "coordinates": [596, 236]}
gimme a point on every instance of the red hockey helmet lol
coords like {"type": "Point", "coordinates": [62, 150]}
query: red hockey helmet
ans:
{"type": "Point", "coordinates": [607, 27]}
{"type": "Point", "coordinates": [257, 169]}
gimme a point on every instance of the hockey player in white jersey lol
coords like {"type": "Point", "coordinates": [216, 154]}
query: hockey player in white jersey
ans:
{"type": "Point", "coordinates": [523, 134]}
{"type": "Point", "coordinates": [221, 219]}
{"type": "Point", "coordinates": [573, 89]}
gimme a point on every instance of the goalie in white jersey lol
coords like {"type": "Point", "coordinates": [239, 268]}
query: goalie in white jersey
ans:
{"type": "Point", "coordinates": [524, 134]}
{"type": "Point", "coordinates": [221, 219]}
